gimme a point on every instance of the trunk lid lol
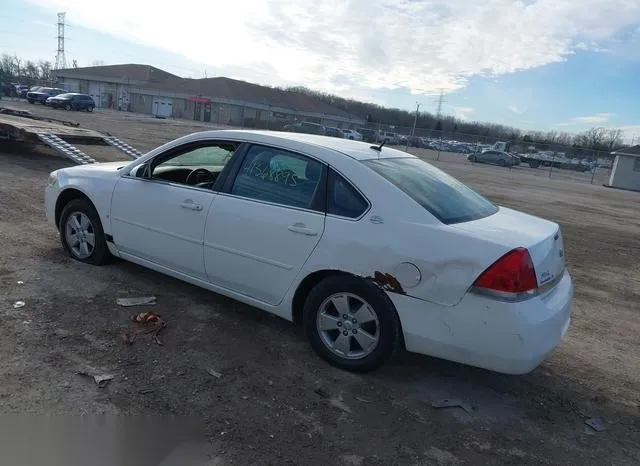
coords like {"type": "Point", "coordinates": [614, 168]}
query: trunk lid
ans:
{"type": "Point", "coordinates": [513, 229]}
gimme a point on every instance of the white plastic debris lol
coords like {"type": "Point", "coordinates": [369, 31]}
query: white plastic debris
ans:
{"type": "Point", "coordinates": [141, 301]}
{"type": "Point", "coordinates": [100, 379]}
{"type": "Point", "coordinates": [18, 304]}
{"type": "Point", "coordinates": [215, 374]}
{"type": "Point", "coordinates": [20, 282]}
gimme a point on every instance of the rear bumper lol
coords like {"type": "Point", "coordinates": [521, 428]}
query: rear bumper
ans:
{"type": "Point", "coordinates": [512, 338]}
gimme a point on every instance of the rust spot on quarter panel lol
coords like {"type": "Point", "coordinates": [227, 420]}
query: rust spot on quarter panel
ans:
{"type": "Point", "coordinates": [387, 282]}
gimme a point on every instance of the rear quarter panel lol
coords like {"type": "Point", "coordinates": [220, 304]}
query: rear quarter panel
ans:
{"type": "Point", "coordinates": [397, 230]}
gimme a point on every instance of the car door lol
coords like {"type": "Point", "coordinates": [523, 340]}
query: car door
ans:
{"type": "Point", "coordinates": [265, 223]}
{"type": "Point", "coordinates": [488, 156]}
{"type": "Point", "coordinates": [159, 210]}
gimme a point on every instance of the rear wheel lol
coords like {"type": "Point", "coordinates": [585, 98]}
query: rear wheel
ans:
{"type": "Point", "coordinates": [31, 101]}
{"type": "Point", "coordinates": [90, 108]}
{"type": "Point", "coordinates": [81, 233]}
{"type": "Point", "coordinates": [67, 107]}
{"type": "Point", "coordinates": [472, 158]}
{"type": "Point", "coordinates": [351, 324]}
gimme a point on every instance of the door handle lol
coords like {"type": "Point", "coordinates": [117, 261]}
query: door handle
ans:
{"type": "Point", "coordinates": [301, 228]}
{"type": "Point", "coordinates": [189, 204]}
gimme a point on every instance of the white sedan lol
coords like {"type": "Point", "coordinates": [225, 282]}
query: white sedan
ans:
{"type": "Point", "coordinates": [370, 249]}
{"type": "Point", "coordinates": [352, 134]}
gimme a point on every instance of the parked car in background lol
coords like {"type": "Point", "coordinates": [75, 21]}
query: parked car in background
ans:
{"type": "Point", "coordinates": [21, 90]}
{"type": "Point", "coordinates": [7, 89]}
{"type": "Point", "coordinates": [72, 101]}
{"type": "Point", "coordinates": [368, 135]}
{"type": "Point", "coordinates": [334, 132]}
{"type": "Point", "coordinates": [352, 134]}
{"type": "Point", "coordinates": [42, 94]}
{"type": "Point", "coordinates": [387, 137]}
{"type": "Point", "coordinates": [371, 250]}
{"type": "Point", "coordinates": [306, 127]}
{"type": "Point", "coordinates": [415, 141]}
{"type": "Point", "coordinates": [494, 157]}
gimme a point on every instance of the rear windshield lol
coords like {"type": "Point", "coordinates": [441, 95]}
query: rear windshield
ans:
{"type": "Point", "coordinates": [446, 198]}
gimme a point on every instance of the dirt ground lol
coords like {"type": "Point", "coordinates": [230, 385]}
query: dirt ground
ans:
{"type": "Point", "coordinates": [275, 402]}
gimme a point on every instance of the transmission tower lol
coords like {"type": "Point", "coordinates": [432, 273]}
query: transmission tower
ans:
{"type": "Point", "coordinates": [61, 61]}
{"type": "Point", "coordinates": [441, 100]}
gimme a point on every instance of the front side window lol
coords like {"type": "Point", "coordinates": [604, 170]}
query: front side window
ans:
{"type": "Point", "coordinates": [636, 164]}
{"type": "Point", "coordinates": [195, 166]}
{"type": "Point", "coordinates": [446, 198]}
{"type": "Point", "coordinates": [278, 176]}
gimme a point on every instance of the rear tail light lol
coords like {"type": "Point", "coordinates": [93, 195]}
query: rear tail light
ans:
{"type": "Point", "coordinates": [512, 277]}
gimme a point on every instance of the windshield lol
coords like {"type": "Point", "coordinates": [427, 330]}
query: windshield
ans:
{"type": "Point", "coordinates": [446, 198]}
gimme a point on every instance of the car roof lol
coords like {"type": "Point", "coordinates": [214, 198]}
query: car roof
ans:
{"type": "Point", "coordinates": [355, 149]}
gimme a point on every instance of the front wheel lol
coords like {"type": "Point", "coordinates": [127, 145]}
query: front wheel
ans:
{"type": "Point", "coordinates": [31, 101]}
{"type": "Point", "coordinates": [67, 107]}
{"type": "Point", "coordinates": [502, 163]}
{"type": "Point", "coordinates": [351, 323]}
{"type": "Point", "coordinates": [81, 233]}
{"type": "Point", "coordinates": [90, 108]}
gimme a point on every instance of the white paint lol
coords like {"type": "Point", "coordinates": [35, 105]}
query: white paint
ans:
{"type": "Point", "coordinates": [246, 249]}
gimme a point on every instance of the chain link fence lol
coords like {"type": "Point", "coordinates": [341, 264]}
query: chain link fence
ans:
{"type": "Point", "coordinates": [556, 160]}
{"type": "Point", "coordinates": [539, 159]}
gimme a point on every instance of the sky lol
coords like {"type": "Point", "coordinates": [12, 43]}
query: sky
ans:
{"type": "Point", "coordinates": [550, 65]}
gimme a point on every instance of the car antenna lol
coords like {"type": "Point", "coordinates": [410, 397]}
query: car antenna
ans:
{"type": "Point", "coordinates": [379, 148]}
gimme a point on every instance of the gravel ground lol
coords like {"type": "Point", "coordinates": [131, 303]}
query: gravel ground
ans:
{"type": "Point", "coordinates": [275, 402]}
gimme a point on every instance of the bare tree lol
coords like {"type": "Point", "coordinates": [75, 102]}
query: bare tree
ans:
{"type": "Point", "coordinates": [31, 70]}
{"type": "Point", "coordinates": [45, 69]}
{"type": "Point", "coordinates": [613, 138]}
{"type": "Point", "coordinates": [8, 65]}
{"type": "Point", "coordinates": [17, 61]}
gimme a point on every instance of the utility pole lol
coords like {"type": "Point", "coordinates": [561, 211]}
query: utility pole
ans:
{"type": "Point", "coordinates": [415, 120]}
{"type": "Point", "coordinates": [440, 102]}
{"type": "Point", "coordinates": [61, 61]}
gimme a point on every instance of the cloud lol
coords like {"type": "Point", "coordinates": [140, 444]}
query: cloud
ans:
{"type": "Point", "coordinates": [598, 118]}
{"type": "Point", "coordinates": [353, 46]}
{"type": "Point", "coordinates": [517, 110]}
{"type": "Point", "coordinates": [631, 133]}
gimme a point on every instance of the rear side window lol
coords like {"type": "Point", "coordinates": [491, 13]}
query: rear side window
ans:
{"type": "Point", "coordinates": [449, 200]}
{"type": "Point", "coordinates": [343, 199]}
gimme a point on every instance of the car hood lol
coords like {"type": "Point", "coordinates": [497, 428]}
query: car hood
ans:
{"type": "Point", "coordinates": [95, 169]}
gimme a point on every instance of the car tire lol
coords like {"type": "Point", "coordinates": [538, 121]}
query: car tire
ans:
{"type": "Point", "coordinates": [31, 101]}
{"type": "Point", "coordinates": [79, 216]}
{"type": "Point", "coordinates": [372, 340]}
{"type": "Point", "coordinates": [90, 108]}
{"type": "Point", "coordinates": [502, 163]}
{"type": "Point", "coordinates": [67, 107]}
{"type": "Point", "coordinates": [472, 159]}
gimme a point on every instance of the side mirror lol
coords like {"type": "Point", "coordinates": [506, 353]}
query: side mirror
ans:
{"type": "Point", "coordinates": [142, 171]}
